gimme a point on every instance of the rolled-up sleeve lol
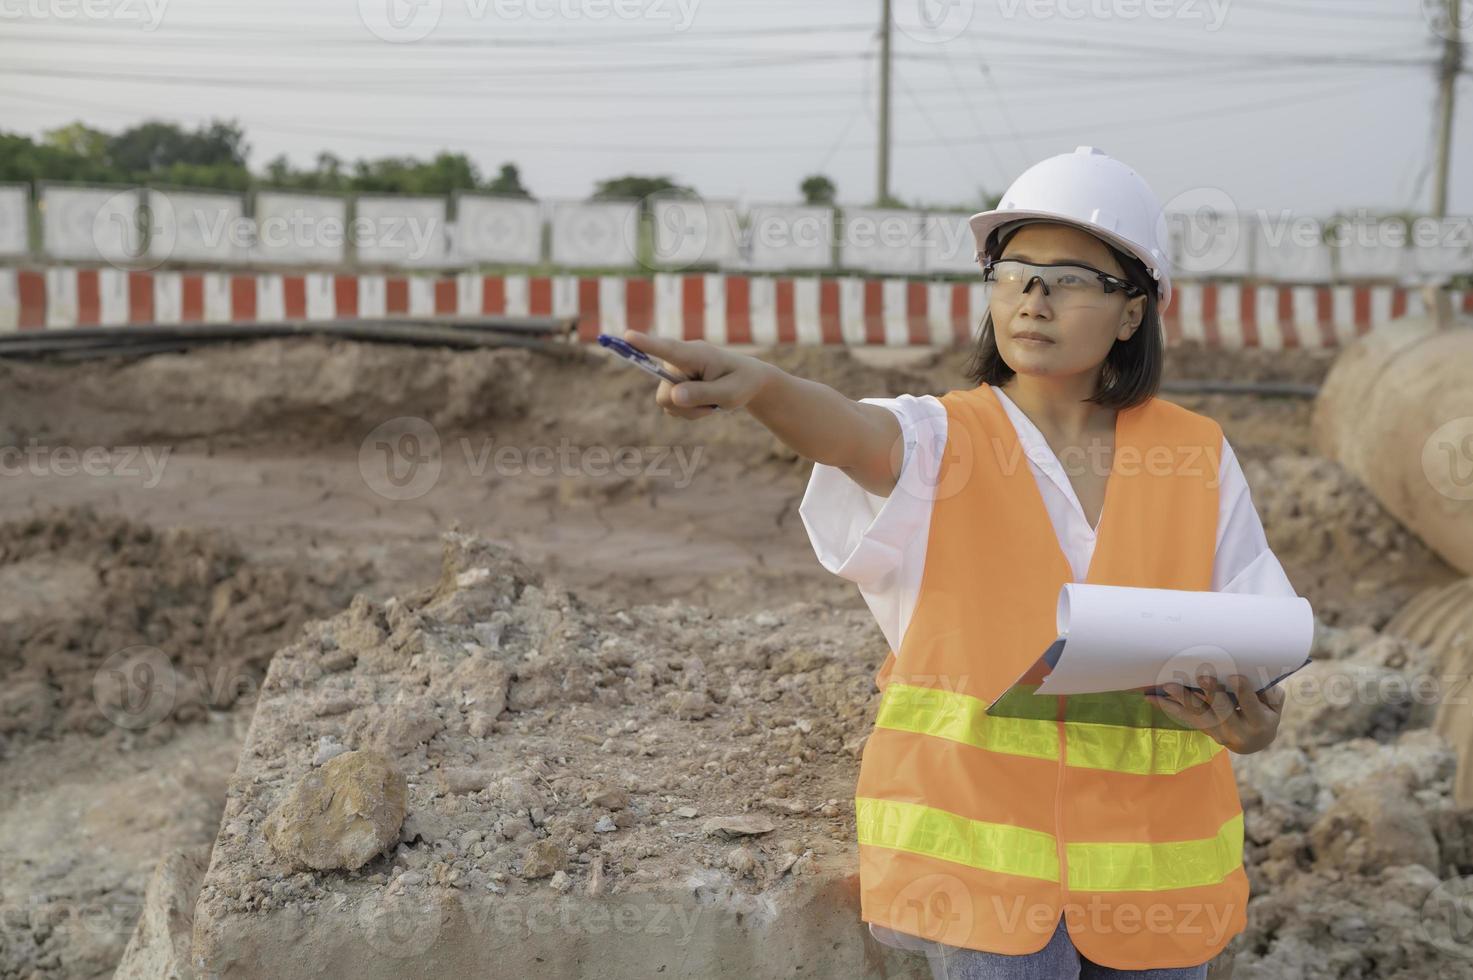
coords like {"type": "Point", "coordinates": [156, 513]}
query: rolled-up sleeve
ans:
{"type": "Point", "coordinates": [877, 542]}
{"type": "Point", "coordinates": [856, 534]}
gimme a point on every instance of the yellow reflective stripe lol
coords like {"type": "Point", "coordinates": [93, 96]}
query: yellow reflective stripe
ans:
{"type": "Point", "coordinates": [1128, 708]}
{"type": "Point", "coordinates": [1139, 751]}
{"type": "Point", "coordinates": [1090, 744]}
{"type": "Point", "coordinates": [951, 837]}
{"type": "Point", "coordinates": [1157, 867]}
{"type": "Point", "coordinates": [963, 718]}
{"type": "Point", "coordinates": [1094, 867]}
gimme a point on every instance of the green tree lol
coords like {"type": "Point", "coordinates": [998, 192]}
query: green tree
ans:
{"type": "Point", "coordinates": [151, 148]}
{"type": "Point", "coordinates": [635, 188]}
{"type": "Point", "coordinates": [449, 172]}
{"type": "Point", "coordinates": [508, 182]}
{"type": "Point", "coordinates": [818, 189]}
{"type": "Point", "coordinates": [23, 159]}
{"type": "Point", "coordinates": [217, 176]}
{"type": "Point", "coordinates": [78, 140]}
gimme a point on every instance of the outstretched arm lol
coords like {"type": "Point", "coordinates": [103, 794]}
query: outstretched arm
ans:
{"type": "Point", "coordinates": [814, 420]}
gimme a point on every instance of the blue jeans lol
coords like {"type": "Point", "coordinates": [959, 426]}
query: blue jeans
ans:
{"type": "Point", "coordinates": [1059, 960]}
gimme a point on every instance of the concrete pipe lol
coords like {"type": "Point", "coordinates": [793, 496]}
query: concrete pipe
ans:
{"type": "Point", "coordinates": [1441, 620]}
{"type": "Point", "coordinates": [1396, 410]}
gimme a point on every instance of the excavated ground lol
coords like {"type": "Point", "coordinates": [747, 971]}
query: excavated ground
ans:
{"type": "Point", "coordinates": [669, 645]}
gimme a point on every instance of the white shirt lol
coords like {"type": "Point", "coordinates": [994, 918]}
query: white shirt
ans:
{"type": "Point", "coordinates": [879, 543]}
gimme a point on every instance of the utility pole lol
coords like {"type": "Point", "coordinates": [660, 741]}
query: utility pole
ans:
{"type": "Point", "coordinates": [1448, 68]}
{"type": "Point", "coordinates": [883, 167]}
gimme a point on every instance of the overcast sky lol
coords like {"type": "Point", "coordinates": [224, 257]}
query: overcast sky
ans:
{"type": "Point", "coordinates": [1305, 105]}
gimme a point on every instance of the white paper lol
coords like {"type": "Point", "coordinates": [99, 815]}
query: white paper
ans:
{"type": "Point", "coordinates": [1117, 638]}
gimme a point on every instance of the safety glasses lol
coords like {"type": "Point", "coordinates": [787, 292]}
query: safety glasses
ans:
{"type": "Point", "coordinates": [1064, 283]}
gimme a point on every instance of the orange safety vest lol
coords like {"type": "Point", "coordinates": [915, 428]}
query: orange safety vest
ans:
{"type": "Point", "coordinates": [980, 828]}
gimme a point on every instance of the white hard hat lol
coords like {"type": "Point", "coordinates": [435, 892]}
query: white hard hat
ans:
{"type": "Point", "coordinates": [1093, 191]}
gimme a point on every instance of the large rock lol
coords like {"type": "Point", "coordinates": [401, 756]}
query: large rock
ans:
{"type": "Point", "coordinates": [1332, 701]}
{"type": "Point", "coordinates": [341, 815]}
{"type": "Point", "coordinates": [1374, 826]}
{"type": "Point", "coordinates": [556, 810]}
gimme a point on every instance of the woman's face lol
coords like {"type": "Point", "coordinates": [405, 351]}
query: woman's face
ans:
{"type": "Point", "coordinates": [1078, 336]}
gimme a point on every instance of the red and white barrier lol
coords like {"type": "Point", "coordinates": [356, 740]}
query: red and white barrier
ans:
{"type": "Point", "coordinates": [724, 309]}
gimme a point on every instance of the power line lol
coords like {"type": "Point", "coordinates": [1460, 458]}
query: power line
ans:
{"type": "Point", "coordinates": [1246, 59]}
{"type": "Point", "coordinates": [295, 84]}
{"type": "Point", "coordinates": [463, 87]}
{"type": "Point", "coordinates": [1102, 43]}
{"type": "Point", "coordinates": [1338, 12]}
{"type": "Point", "coordinates": [234, 36]}
{"type": "Point", "coordinates": [1198, 114]}
{"type": "Point", "coordinates": [972, 111]}
{"type": "Point", "coordinates": [967, 175]}
{"type": "Point", "coordinates": [1091, 47]}
{"type": "Point", "coordinates": [843, 135]}
{"type": "Point", "coordinates": [1056, 79]}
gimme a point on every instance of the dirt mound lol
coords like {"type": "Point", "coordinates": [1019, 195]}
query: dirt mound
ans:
{"type": "Point", "coordinates": [553, 746]}
{"type": "Point", "coordinates": [1357, 853]}
{"type": "Point", "coordinates": [1196, 361]}
{"type": "Point", "coordinates": [1356, 563]}
{"type": "Point", "coordinates": [1257, 427]}
{"type": "Point", "coordinates": [568, 744]}
{"type": "Point", "coordinates": [296, 393]}
{"type": "Point", "coordinates": [279, 392]}
{"type": "Point", "coordinates": [292, 394]}
{"type": "Point", "coordinates": [107, 624]}
{"type": "Point", "coordinates": [840, 369]}
{"type": "Point", "coordinates": [542, 734]}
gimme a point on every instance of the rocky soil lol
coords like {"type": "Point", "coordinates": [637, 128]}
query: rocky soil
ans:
{"type": "Point", "coordinates": [615, 683]}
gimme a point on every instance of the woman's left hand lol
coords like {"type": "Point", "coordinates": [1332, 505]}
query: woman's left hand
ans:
{"type": "Point", "coordinates": [1248, 727]}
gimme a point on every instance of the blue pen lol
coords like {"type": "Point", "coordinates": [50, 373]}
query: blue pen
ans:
{"type": "Point", "coordinates": [644, 362]}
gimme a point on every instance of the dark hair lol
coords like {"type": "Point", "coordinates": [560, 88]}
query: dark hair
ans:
{"type": "Point", "coordinates": [1131, 373]}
